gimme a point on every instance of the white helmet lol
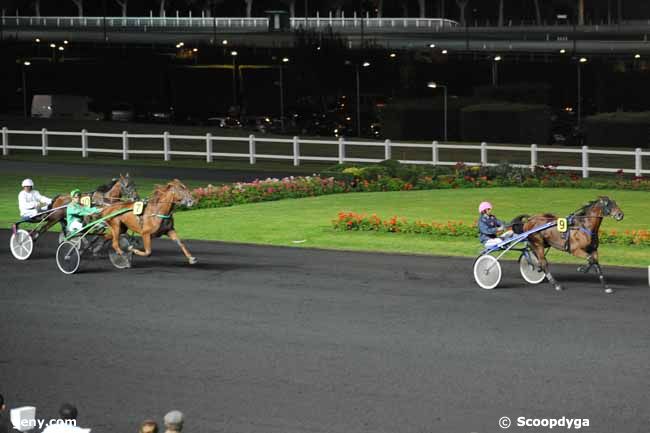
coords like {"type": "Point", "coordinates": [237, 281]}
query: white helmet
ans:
{"type": "Point", "coordinates": [28, 182]}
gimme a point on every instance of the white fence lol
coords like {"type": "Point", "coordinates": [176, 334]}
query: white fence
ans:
{"type": "Point", "coordinates": [227, 23]}
{"type": "Point", "coordinates": [342, 145]}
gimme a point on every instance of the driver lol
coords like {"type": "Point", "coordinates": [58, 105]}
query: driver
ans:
{"type": "Point", "coordinates": [30, 201]}
{"type": "Point", "coordinates": [76, 211]}
{"type": "Point", "coordinates": [492, 231]}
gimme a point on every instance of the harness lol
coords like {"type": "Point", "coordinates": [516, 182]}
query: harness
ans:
{"type": "Point", "coordinates": [574, 225]}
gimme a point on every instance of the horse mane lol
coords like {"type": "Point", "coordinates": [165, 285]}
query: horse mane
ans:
{"type": "Point", "coordinates": [106, 187]}
{"type": "Point", "coordinates": [583, 210]}
{"type": "Point", "coordinates": [158, 190]}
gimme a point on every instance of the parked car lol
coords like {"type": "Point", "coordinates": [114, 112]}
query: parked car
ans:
{"type": "Point", "coordinates": [123, 112]}
{"type": "Point", "coordinates": [63, 106]}
{"type": "Point", "coordinates": [225, 122]}
{"type": "Point", "coordinates": [263, 124]}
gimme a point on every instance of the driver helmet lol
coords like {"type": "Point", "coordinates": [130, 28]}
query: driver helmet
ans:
{"type": "Point", "coordinates": [484, 206]}
{"type": "Point", "coordinates": [28, 182]}
{"type": "Point", "coordinates": [75, 192]}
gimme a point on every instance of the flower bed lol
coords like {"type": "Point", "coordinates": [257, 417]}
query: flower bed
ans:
{"type": "Point", "coordinates": [393, 176]}
{"type": "Point", "coordinates": [350, 221]}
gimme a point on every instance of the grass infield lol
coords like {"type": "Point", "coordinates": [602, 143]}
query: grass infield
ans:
{"type": "Point", "coordinates": [307, 222]}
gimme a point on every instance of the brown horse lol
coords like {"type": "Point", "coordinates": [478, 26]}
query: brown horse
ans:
{"type": "Point", "coordinates": [580, 239]}
{"type": "Point", "coordinates": [156, 219]}
{"type": "Point", "coordinates": [113, 191]}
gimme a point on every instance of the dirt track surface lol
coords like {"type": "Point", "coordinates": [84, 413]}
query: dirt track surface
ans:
{"type": "Point", "coordinates": [268, 339]}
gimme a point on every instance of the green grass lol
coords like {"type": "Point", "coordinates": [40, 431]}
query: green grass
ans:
{"type": "Point", "coordinates": [309, 220]}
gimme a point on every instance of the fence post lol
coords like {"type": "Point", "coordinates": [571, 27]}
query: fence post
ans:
{"type": "Point", "coordinates": [533, 157]}
{"type": "Point", "coordinates": [434, 153]}
{"type": "Point", "coordinates": [208, 147]}
{"type": "Point", "coordinates": [387, 150]}
{"type": "Point", "coordinates": [125, 145]}
{"type": "Point", "coordinates": [637, 162]}
{"type": "Point", "coordinates": [44, 141]}
{"type": "Point", "coordinates": [84, 143]}
{"type": "Point", "coordinates": [5, 141]}
{"type": "Point", "coordinates": [585, 161]}
{"type": "Point", "coordinates": [341, 150]}
{"type": "Point", "coordinates": [296, 151]}
{"type": "Point", "coordinates": [484, 159]}
{"type": "Point", "coordinates": [166, 155]}
{"type": "Point", "coordinates": [251, 148]}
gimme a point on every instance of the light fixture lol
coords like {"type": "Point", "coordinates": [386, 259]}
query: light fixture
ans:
{"type": "Point", "coordinates": [61, 48]}
{"type": "Point", "coordinates": [444, 51]}
{"type": "Point", "coordinates": [52, 46]}
{"type": "Point", "coordinates": [180, 44]}
{"type": "Point", "coordinates": [65, 42]}
{"type": "Point", "coordinates": [562, 51]}
{"type": "Point", "coordinates": [233, 53]}
{"type": "Point", "coordinates": [318, 48]}
{"type": "Point", "coordinates": [195, 50]}
{"type": "Point", "coordinates": [366, 64]}
{"type": "Point", "coordinates": [285, 59]}
{"type": "Point", "coordinates": [432, 45]}
{"type": "Point", "coordinates": [497, 58]}
{"type": "Point", "coordinates": [37, 40]}
{"type": "Point", "coordinates": [432, 85]}
{"type": "Point", "coordinates": [27, 63]}
{"type": "Point", "coordinates": [393, 55]}
{"type": "Point", "coordinates": [583, 59]}
{"type": "Point", "coordinates": [637, 56]}
{"type": "Point", "coordinates": [224, 42]}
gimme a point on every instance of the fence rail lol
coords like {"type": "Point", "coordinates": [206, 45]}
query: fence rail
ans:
{"type": "Point", "coordinates": [206, 145]}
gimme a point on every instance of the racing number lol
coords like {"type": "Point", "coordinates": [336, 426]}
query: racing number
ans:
{"type": "Point", "coordinates": [562, 225]}
{"type": "Point", "coordinates": [85, 201]}
{"type": "Point", "coordinates": [138, 207]}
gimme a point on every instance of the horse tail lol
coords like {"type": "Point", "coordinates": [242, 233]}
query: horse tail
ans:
{"type": "Point", "coordinates": [518, 222]}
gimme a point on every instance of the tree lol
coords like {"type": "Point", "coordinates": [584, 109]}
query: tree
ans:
{"type": "Point", "coordinates": [162, 8]}
{"type": "Point", "coordinates": [581, 12]}
{"type": "Point", "coordinates": [441, 9]}
{"type": "Point", "coordinates": [423, 8]}
{"type": "Point", "coordinates": [80, 6]}
{"type": "Point", "coordinates": [122, 4]}
{"type": "Point", "coordinates": [249, 7]}
{"type": "Point", "coordinates": [462, 4]}
{"type": "Point", "coordinates": [292, 7]}
{"type": "Point", "coordinates": [500, 24]}
{"type": "Point", "coordinates": [538, 14]}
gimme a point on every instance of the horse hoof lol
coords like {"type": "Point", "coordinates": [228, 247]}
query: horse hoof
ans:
{"type": "Point", "coordinates": [609, 290]}
{"type": "Point", "coordinates": [559, 288]}
{"type": "Point", "coordinates": [192, 260]}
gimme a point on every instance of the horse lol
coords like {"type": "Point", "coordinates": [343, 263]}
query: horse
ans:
{"type": "Point", "coordinates": [111, 192]}
{"type": "Point", "coordinates": [156, 219]}
{"type": "Point", "coordinates": [580, 239]}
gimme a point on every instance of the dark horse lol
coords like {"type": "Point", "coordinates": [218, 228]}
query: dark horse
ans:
{"type": "Point", "coordinates": [581, 238]}
{"type": "Point", "coordinates": [104, 195]}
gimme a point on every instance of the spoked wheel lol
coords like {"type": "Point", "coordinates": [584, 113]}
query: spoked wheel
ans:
{"type": "Point", "coordinates": [121, 261]}
{"type": "Point", "coordinates": [68, 257]}
{"type": "Point", "coordinates": [61, 237]}
{"type": "Point", "coordinates": [529, 268]}
{"type": "Point", "coordinates": [21, 244]}
{"type": "Point", "coordinates": [487, 272]}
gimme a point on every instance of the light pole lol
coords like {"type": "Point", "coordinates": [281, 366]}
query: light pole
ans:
{"type": "Point", "coordinates": [579, 64]}
{"type": "Point", "coordinates": [284, 60]}
{"type": "Point", "coordinates": [233, 54]}
{"type": "Point", "coordinates": [434, 85]}
{"type": "Point", "coordinates": [495, 70]}
{"type": "Point", "coordinates": [25, 65]}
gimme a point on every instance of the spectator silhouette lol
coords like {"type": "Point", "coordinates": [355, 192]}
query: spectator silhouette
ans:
{"type": "Point", "coordinates": [174, 422]}
{"type": "Point", "coordinates": [148, 426]}
{"type": "Point", "coordinates": [68, 414]}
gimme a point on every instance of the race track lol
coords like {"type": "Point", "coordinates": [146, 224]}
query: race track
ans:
{"type": "Point", "coordinates": [283, 340]}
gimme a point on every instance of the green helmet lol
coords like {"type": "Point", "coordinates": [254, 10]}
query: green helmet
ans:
{"type": "Point", "coordinates": [75, 192]}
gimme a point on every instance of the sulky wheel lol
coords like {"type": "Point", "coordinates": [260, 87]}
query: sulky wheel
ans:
{"type": "Point", "coordinates": [21, 244]}
{"type": "Point", "coordinates": [487, 272]}
{"type": "Point", "coordinates": [529, 268]}
{"type": "Point", "coordinates": [68, 257]}
{"type": "Point", "coordinates": [121, 261]}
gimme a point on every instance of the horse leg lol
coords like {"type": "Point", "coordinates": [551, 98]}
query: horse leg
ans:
{"type": "Point", "coordinates": [599, 271]}
{"type": "Point", "coordinates": [174, 236]}
{"type": "Point", "coordinates": [146, 239]}
{"type": "Point", "coordinates": [538, 249]}
{"type": "Point", "coordinates": [583, 255]}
